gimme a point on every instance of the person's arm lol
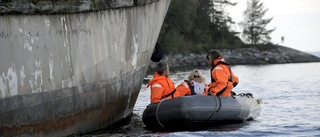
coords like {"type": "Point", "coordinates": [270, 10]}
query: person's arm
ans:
{"type": "Point", "coordinates": [235, 80]}
{"type": "Point", "coordinates": [156, 93]}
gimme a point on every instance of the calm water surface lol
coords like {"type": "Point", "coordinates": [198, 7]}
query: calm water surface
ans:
{"type": "Point", "coordinates": [291, 103]}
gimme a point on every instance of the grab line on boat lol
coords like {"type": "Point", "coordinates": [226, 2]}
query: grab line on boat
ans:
{"type": "Point", "coordinates": [157, 111]}
{"type": "Point", "coordinates": [215, 111]}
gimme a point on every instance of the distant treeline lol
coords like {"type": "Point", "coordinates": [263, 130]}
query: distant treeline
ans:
{"type": "Point", "coordinates": [197, 26]}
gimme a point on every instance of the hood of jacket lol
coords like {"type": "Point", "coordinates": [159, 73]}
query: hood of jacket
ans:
{"type": "Point", "coordinates": [156, 77]}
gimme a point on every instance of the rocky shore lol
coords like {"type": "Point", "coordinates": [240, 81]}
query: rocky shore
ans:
{"type": "Point", "coordinates": [242, 56]}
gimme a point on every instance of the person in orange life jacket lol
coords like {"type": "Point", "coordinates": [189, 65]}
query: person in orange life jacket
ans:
{"type": "Point", "coordinates": [222, 78]}
{"type": "Point", "coordinates": [161, 85]}
{"type": "Point", "coordinates": [195, 85]}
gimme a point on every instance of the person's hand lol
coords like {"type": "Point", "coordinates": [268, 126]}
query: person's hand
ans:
{"type": "Point", "coordinates": [212, 93]}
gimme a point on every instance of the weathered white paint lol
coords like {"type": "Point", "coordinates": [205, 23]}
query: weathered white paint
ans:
{"type": "Point", "coordinates": [35, 86]}
{"type": "Point", "coordinates": [9, 83]}
{"type": "Point", "coordinates": [135, 49]}
{"type": "Point", "coordinates": [62, 83]}
{"type": "Point", "coordinates": [26, 45]}
{"type": "Point", "coordinates": [22, 76]}
{"type": "Point", "coordinates": [31, 84]}
{"type": "Point", "coordinates": [70, 84]}
{"type": "Point", "coordinates": [12, 79]}
{"type": "Point", "coordinates": [20, 30]}
{"type": "Point", "coordinates": [47, 22]}
{"type": "Point", "coordinates": [69, 59]}
{"type": "Point", "coordinates": [51, 69]}
{"type": "Point", "coordinates": [3, 86]}
{"type": "Point", "coordinates": [61, 20]}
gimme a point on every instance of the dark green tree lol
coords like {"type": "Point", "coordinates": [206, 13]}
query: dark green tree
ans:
{"type": "Point", "coordinates": [220, 19]}
{"type": "Point", "coordinates": [179, 22]}
{"type": "Point", "coordinates": [195, 26]}
{"type": "Point", "coordinates": [254, 26]}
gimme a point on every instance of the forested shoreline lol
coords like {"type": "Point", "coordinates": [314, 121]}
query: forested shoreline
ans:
{"type": "Point", "coordinates": [244, 56]}
{"type": "Point", "coordinates": [193, 26]}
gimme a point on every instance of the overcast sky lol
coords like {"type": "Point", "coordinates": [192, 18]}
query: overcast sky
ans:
{"type": "Point", "coordinates": [298, 21]}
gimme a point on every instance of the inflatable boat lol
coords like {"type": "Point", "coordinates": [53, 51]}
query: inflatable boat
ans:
{"type": "Point", "coordinates": [198, 111]}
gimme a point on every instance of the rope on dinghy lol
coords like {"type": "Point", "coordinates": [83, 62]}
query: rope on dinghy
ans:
{"type": "Point", "coordinates": [215, 109]}
{"type": "Point", "coordinates": [157, 112]}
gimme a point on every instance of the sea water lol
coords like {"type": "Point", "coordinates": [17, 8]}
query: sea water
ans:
{"type": "Point", "coordinates": [290, 94]}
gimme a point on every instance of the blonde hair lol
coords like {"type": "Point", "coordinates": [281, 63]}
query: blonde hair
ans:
{"type": "Point", "coordinates": [191, 75]}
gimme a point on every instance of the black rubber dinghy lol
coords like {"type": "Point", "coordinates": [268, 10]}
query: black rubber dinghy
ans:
{"type": "Point", "coordinates": [199, 111]}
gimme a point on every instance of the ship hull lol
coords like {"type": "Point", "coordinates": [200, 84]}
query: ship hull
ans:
{"type": "Point", "coordinates": [73, 73]}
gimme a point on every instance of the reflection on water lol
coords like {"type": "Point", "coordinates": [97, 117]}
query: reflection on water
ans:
{"type": "Point", "coordinates": [290, 94]}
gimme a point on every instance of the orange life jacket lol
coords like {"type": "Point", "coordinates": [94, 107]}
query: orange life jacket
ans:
{"type": "Point", "coordinates": [187, 88]}
{"type": "Point", "coordinates": [161, 87]}
{"type": "Point", "coordinates": [184, 89]}
{"type": "Point", "coordinates": [222, 79]}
